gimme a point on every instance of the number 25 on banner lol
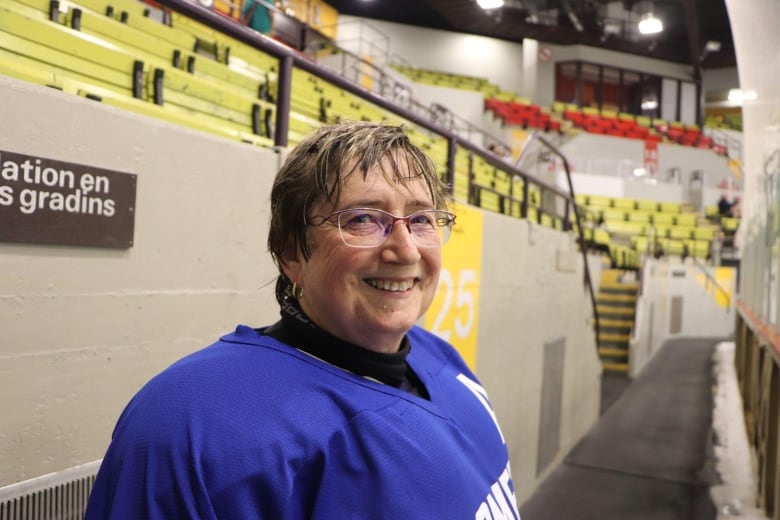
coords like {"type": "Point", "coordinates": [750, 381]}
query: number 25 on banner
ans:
{"type": "Point", "coordinates": [458, 306]}
{"type": "Point", "coordinates": [454, 312]}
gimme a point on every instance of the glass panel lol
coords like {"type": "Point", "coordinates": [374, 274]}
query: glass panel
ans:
{"type": "Point", "coordinates": [590, 86]}
{"type": "Point", "coordinates": [631, 95]}
{"type": "Point", "coordinates": [688, 103]}
{"type": "Point", "coordinates": [610, 90]}
{"type": "Point", "coordinates": [566, 82]}
{"type": "Point", "coordinates": [669, 99]}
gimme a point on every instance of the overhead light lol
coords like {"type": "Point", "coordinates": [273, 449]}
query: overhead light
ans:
{"type": "Point", "coordinates": [649, 24]}
{"type": "Point", "coordinates": [612, 28]}
{"type": "Point", "coordinates": [649, 104]}
{"type": "Point", "coordinates": [712, 46]}
{"type": "Point", "coordinates": [738, 97]}
{"type": "Point", "coordinates": [490, 4]}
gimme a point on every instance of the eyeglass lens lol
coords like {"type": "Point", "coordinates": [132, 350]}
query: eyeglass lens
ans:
{"type": "Point", "coordinates": [369, 228]}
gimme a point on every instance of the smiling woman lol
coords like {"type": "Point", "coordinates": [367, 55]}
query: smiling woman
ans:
{"type": "Point", "coordinates": [344, 408]}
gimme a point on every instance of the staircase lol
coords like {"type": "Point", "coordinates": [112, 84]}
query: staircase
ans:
{"type": "Point", "coordinates": [616, 305]}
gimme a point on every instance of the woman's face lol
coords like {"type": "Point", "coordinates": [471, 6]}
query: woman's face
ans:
{"type": "Point", "coordinates": [369, 296]}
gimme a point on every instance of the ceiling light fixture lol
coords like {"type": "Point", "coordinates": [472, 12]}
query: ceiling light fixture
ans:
{"type": "Point", "coordinates": [649, 24]}
{"type": "Point", "coordinates": [649, 104]}
{"type": "Point", "coordinates": [490, 4]}
{"type": "Point", "coordinates": [712, 46]}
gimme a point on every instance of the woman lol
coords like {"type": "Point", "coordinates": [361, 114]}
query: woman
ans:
{"type": "Point", "coordinates": [344, 408]}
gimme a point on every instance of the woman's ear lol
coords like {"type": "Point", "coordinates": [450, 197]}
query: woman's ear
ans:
{"type": "Point", "coordinates": [291, 264]}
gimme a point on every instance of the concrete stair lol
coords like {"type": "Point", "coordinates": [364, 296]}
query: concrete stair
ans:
{"type": "Point", "coordinates": [616, 306]}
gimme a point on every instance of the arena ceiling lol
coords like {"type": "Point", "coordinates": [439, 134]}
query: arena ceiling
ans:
{"type": "Point", "coordinates": [609, 24]}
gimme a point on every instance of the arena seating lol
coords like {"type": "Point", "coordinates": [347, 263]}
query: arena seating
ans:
{"type": "Point", "coordinates": [649, 226]}
{"type": "Point", "coordinates": [523, 114]}
{"type": "Point", "coordinates": [73, 48]}
{"type": "Point", "coordinates": [607, 122]}
{"type": "Point", "coordinates": [442, 79]}
{"type": "Point", "coordinates": [111, 51]}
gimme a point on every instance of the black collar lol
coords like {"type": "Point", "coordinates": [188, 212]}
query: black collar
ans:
{"type": "Point", "coordinates": [297, 330]}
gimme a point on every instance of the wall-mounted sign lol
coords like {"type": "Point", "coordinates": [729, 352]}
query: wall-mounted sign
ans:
{"type": "Point", "coordinates": [46, 201]}
{"type": "Point", "coordinates": [545, 54]}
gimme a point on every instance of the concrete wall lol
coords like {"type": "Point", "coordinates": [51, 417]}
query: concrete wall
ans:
{"type": "Point", "coordinates": [680, 300]}
{"type": "Point", "coordinates": [84, 328]}
{"type": "Point", "coordinates": [532, 293]}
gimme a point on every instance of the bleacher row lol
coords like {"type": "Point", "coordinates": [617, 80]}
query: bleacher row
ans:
{"type": "Point", "coordinates": [522, 114]}
{"type": "Point", "coordinates": [649, 226]}
{"type": "Point", "coordinates": [619, 124]}
{"type": "Point", "coordinates": [515, 110]}
{"type": "Point", "coordinates": [184, 72]}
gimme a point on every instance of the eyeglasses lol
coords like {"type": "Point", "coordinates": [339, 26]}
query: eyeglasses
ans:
{"type": "Point", "coordinates": [367, 227]}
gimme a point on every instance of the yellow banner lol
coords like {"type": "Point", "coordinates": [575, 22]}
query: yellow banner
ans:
{"type": "Point", "coordinates": [454, 313]}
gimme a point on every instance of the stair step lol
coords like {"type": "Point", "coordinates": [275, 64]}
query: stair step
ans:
{"type": "Point", "coordinates": [609, 297]}
{"type": "Point", "coordinates": [607, 323]}
{"type": "Point", "coordinates": [613, 338]}
{"type": "Point", "coordinates": [616, 367]}
{"type": "Point", "coordinates": [625, 312]}
{"type": "Point", "coordinates": [617, 289]}
{"type": "Point", "coordinates": [613, 352]}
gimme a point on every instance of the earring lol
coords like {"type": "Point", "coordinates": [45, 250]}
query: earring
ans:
{"type": "Point", "coordinates": [297, 292]}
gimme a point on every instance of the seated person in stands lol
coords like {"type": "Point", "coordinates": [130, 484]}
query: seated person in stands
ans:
{"type": "Point", "coordinates": [257, 15]}
{"type": "Point", "coordinates": [736, 208]}
{"type": "Point", "coordinates": [344, 408]}
{"type": "Point", "coordinates": [724, 206]}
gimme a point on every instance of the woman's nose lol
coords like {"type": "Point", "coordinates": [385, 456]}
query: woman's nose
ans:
{"type": "Point", "coordinates": [401, 241]}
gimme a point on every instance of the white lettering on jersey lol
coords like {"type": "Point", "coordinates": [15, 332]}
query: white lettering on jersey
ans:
{"type": "Point", "coordinates": [500, 503]}
{"type": "Point", "coordinates": [481, 396]}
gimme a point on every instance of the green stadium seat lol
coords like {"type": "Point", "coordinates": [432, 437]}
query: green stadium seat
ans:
{"type": "Point", "coordinates": [626, 204]}
{"type": "Point", "coordinates": [639, 216]}
{"type": "Point", "coordinates": [599, 201]}
{"type": "Point", "coordinates": [670, 207]}
{"type": "Point", "coordinates": [624, 227]}
{"type": "Point", "coordinates": [663, 219]}
{"type": "Point", "coordinates": [704, 233]}
{"type": "Point", "coordinates": [686, 219]}
{"type": "Point", "coordinates": [613, 214]}
{"type": "Point", "coordinates": [681, 232]}
{"type": "Point", "coordinates": [647, 205]}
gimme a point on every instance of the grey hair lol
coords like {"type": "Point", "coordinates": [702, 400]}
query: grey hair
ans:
{"type": "Point", "coordinates": [316, 169]}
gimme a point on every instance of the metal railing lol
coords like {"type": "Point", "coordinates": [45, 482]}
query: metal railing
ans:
{"type": "Point", "coordinates": [290, 58]}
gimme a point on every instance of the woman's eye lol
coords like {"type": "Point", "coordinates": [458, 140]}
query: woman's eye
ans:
{"type": "Point", "coordinates": [422, 219]}
{"type": "Point", "coordinates": [362, 219]}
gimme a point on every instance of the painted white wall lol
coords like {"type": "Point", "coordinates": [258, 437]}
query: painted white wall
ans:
{"type": "Point", "coordinates": [84, 328]}
{"type": "Point", "coordinates": [754, 27]}
{"type": "Point", "coordinates": [619, 156]}
{"type": "Point", "coordinates": [466, 104]}
{"type": "Point", "coordinates": [478, 56]}
{"type": "Point", "coordinates": [720, 79]}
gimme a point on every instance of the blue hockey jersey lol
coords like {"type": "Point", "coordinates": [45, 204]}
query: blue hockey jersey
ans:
{"type": "Point", "coordinates": [250, 428]}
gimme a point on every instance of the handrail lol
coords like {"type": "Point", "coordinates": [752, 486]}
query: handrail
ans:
{"type": "Point", "coordinates": [588, 281]}
{"type": "Point", "coordinates": [436, 113]}
{"type": "Point", "coordinates": [290, 58]}
{"type": "Point", "coordinates": [713, 280]}
{"type": "Point", "coordinates": [698, 263]}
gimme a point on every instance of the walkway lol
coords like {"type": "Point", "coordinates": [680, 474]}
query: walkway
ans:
{"type": "Point", "coordinates": [650, 454]}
